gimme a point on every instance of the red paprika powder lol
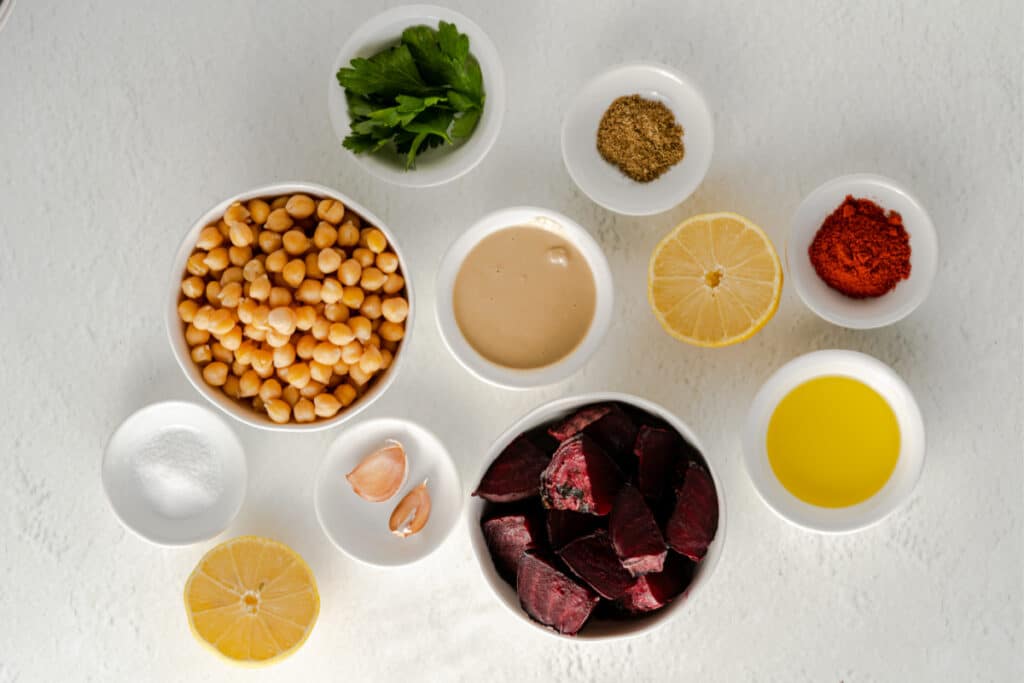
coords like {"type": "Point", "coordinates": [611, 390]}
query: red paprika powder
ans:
{"type": "Point", "coordinates": [861, 250]}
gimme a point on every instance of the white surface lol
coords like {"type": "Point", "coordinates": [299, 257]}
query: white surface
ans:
{"type": "Point", "coordinates": [595, 629]}
{"type": "Point", "coordinates": [166, 504]}
{"type": "Point", "coordinates": [448, 272]}
{"type": "Point", "coordinates": [605, 183]}
{"type": "Point", "coordinates": [122, 121]}
{"type": "Point", "coordinates": [441, 164]}
{"type": "Point", "coordinates": [878, 376]}
{"type": "Point", "coordinates": [180, 348]}
{"type": "Point", "coordinates": [359, 527]}
{"type": "Point", "coordinates": [871, 312]}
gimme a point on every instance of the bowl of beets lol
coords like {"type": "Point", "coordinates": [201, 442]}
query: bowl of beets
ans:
{"type": "Point", "coordinates": [597, 516]}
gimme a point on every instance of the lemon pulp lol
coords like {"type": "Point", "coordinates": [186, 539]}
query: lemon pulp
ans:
{"type": "Point", "coordinates": [833, 442]}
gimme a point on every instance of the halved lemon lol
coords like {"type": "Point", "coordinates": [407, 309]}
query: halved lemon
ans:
{"type": "Point", "coordinates": [715, 280]}
{"type": "Point", "coordinates": [253, 600]}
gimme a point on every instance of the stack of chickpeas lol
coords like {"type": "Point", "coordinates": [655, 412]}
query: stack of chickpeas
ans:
{"type": "Point", "coordinates": [293, 306]}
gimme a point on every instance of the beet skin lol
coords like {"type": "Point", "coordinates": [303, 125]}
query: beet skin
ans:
{"type": "Point", "coordinates": [694, 521]}
{"type": "Point", "coordinates": [593, 559]}
{"type": "Point", "coordinates": [508, 537]}
{"type": "Point", "coordinates": [635, 534]}
{"type": "Point", "coordinates": [551, 597]}
{"type": "Point", "coordinates": [607, 423]}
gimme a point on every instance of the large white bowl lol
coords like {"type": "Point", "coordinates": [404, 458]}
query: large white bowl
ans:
{"type": "Point", "coordinates": [469, 357]}
{"type": "Point", "coordinates": [875, 374]}
{"type": "Point", "coordinates": [836, 307]}
{"type": "Point", "coordinates": [598, 630]}
{"type": "Point", "coordinates": [442, 164]}
{"type": "Point", "coordinates": [176, 334]}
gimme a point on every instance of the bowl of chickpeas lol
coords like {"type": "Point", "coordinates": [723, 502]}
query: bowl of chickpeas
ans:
{"type": "Point", "coordinates": [290, 307]}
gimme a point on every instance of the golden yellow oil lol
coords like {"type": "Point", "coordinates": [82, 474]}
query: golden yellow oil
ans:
{"type": "Point", "coordinates": [833, 442]}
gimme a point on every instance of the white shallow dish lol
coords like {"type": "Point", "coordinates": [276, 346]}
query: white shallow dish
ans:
{"type": "Point", "coordinates": [147, 506]}
{"type": "Point", "coordinates": [176, 333]}
{"type": "Point", "coordinates": [359, 528]}
{"type": "Point", "coordinates": [875, 374]}
{"type": "Point", "coordinates": [605, 183]}
{"type": "Point", "coordinates": [836, 307]}
{"type": "Point", "coordinates": [441, 164]}
{"type": "Point", "coordinates": [601, 630]}
{"type": "Point", "coordinates": [570, 231]}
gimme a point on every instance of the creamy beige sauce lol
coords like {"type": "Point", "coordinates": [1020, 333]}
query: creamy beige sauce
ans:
{"type": "Point", "coordinates": [524, 297]}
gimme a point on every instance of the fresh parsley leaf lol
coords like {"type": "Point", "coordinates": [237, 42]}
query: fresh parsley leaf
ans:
{"type": "Point", "coordinates": [443, 58]}
{"type": "Point", "coordinates": [465, 124]}
{"type": "Point", "coordinates": [460, 102]}
{"type": "Point", "coordinates": [387, 74]}
{"type": "Point", "coordinates": [435, 122]}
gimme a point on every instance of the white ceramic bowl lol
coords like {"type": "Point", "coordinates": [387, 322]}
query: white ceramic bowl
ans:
{"type": "Point", "coordinates": [451, 263]}
{"type": "Point", "coordinates": [598, 630]}
{"type": "Point", "coordinates": [175, 331]}
{"type": "Point", "coordinates": [149, 499]}
{"type": "Point", "coordinates": [605, 183]}
{"type": "Point", "coordinates": [358, 527]}
{"type": "Point", "coordinates": [874, 374]}
{"type": "Point", "coordinates": [442, 164]}
{"type": "Point", "coordinates": [862, 313]}
{"type": "Point", "coordinates": [5, 11]}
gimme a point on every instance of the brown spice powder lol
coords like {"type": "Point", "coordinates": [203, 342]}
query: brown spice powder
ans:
{"type": "Point", "coordinates": [641, 137]}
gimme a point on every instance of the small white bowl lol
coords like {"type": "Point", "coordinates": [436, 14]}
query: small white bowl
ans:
{"type": "Point", "coordinates": [838, 308]}
{"type": "Point", "coordinates": [597, 630]}
{"type": "Point", "coordinates": [605, 183]}
{"type": "Point", "coordinates": [214, 395]}
{"type": "Point", "coordinates": [874, 374]}
{"type": "Point", "coordinates": [451, 263]}
{"type": "Point", "coordinates": [5, 11]}
{"type": "Point", "coordinates": [148, 499]}
{"type": "Point", "coordinates": [359, 528]}
{"type": "Point", "coordinates": [442, 164]}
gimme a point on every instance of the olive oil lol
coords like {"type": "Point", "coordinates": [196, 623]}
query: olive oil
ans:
{"type": "Point", "coordinates": [833, 442]}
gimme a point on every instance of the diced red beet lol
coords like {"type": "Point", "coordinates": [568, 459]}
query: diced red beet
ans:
{"type": "Point", "coordinates": [608, 423]}
{"type": "Point", "coordinates": [593, 559]}
{"type": "Point", "coordinates": [508, 537]}
{"type": "Point", "coordinates": [551, 596]}
{"type": "Point", "coordinates": [580, 477]}
{"type": "Point", "coordinates": [566, 525]}
{"type": "Point", "coordinates": [635, 534]}
{"type": "Point", "coordinates": [515, 474]}
{"type": "Point", "coordinates": [654, 591]}
{"type": "Point", "coordinates": [657, 450]}
{"type": "Point", "coordinates": [694, 521]}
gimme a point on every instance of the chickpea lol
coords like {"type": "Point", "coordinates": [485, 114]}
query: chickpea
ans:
{"type": "Point", "coordinates": [221, 353]}
{"type": "Point", "coordinates": [357, 375]}
{"type": "Point", "coordinates": [390, 331]}
{"type": "Point", "coordinates": [213, 292]}
{"type": "Point", "coordinates": [304, 411]}
{"type": "Point", "coordinates": [217, 259]}
{"type": "Point", "coordinates": [395, 310]}
{"type": "Point", "coordinates": [371, 360]}
{"type": "Point", "coordinates": [243, 354]}
{"type": "Point", "coordinates": [320, 372]}
{"type": "Point", "coordinates": [258, 211]}
{"type": "Point", "coordinates": [260, 288]}
{"type": "Point", "coordinates": [294, 272]}
{"type": "Point", "coordinates": [353, 297]}
{"type": "Point", "coordinates": [300, 206]}
{"type": "Point", "coordinates": [394, 284]}
{"type": "Point", "coordinates": [187, 310]}
{"type": "Point", "coordinates": [202, 317]}
{"type": "Point", "coordinates": [386, 358]}
{"type": "Point", "coordinates": [340, 334]}
{"type": "Point", "coordinates": [263, 362]}
{"type": "Point", "coordinates": [372, 280]}
{"type": "Point", "coordinates": [311, 389]}
{"type": "Point", "coordinates": [252, 269]}
{"type": "Point", "coordinates": [331, 291]}
{"type": "Point", "coordinates": [215, 374]}
{"type": "Point", "coordinates": [276, 340]}
{"type": "Point", "coordinates": [269, 241]}
{"type": "Point", "coordinates": [222, 227]}
{"type": "Point", "coordinates": [231, 294]}
{"type": "Point", "coordinates": [348, 235]}
{"type": "Point", "coordinates": [387, 262]}
{"type": "Point", "coordinates": [278, 410]}
{"type": "Point", "coordinates": [326, 353]}
{"type": "Point", "coordinates": [209, 237]}
{"type": "Point", "coordinates": [233, 339]}
{"type": "Point", "coordinates": [231, 274]}
{"type": "Point", "coordinates": [248, 384]}
{"type": "Point", "coordinates": [240, 234]}
{"type": "Point", "coordinates": [221, 321]}
{"type": "Point", "coordinates": [239, 256]}
{"type": "Point", "coordinates": [309, 292]}
{"type": "Point", "coordinates": [345, 395]}
{"type": "Point", "coordinates": [325, 235]}
{"type": "Point", "coordinates": [254, 333]}
{"type": "Point", "coordinates": [231, 388]}
{"type": "Point", "coordinates": [260, 317]}
{"type": "Point", "coordinates": [329, 260]}
{"type": "Point", "coordinates": [192, 287]}
{"type": "Point", "coordinates": [351, 353]}
{"type": "Point", "coordinates": [305, 316]}
{"type": "Point", "coordinates": [284, 356]}
{"type": "Point", "coordinates": [196, 265]}
{"type": "Point", "coordinates": [298, 375]}
{"type": "Point", "coordinates": [364, 256]}
{"type": "Point", "coordinates": [371, 307]}
{"type": "Point", "coordinates": [361, 328]}
{"type": "Point", "coordinates": [375, 240]}
{"type": "Point", "coordinates": [279, 296]}
{"type": "Point", "coordinates": [330, 210]}
{"type": "Point", "coordinates": [269, 390]}
{"type": "Point", "coordinates": [337, 312]}
{"type": "Point", "coordinates": [279, 220]}
{"type": "Point", "coordinates": [236, 213]}
{"type": "Point", "coordinates": [304, 347]}
{"type": "Point", "coordinates": [278, 202]}
{"type": "Point", "coordinates": [326, 405]}
{"type": "Point", "coordinates": [350, 271]}
{"type": "Point", "coordinates": [295, 242]}
{"type": "Point", "coordinates": [291, 395]}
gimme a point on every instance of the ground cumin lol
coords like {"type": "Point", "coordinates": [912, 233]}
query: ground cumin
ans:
{"type": "Point", "coordinates": [641, 137]}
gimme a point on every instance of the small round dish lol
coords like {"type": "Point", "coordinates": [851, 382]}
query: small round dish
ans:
{"type": "Point", "coordinates": [878, 376]}
{"type": "Point", "coordinates": [603, 629]}
{"type": "Point", "coordinates": [440, 165]}
{"type": "Point", "coordinates": [606, 184]}
{"type": "Point", "coordinates": [180, 347]}
{"type": "Point", "coordinates": [174, 506]}
{"type": "Point", "coordinates": [469, 357]}
{"type": "Point", "coordinates": [838, 308]}
{"type": "Point", "coordinates": [359, 528]}
{"type": "Point", "coordinates": [5, 11]}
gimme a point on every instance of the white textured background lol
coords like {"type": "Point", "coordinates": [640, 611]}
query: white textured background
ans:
{"type": "Point", "coordinates": [120, 122]}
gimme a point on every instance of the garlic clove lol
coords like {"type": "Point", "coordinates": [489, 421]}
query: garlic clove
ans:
{"type": "Point", "coordinates": [411, 513]}
{"type": "Point", "coordinates": [380, 474]}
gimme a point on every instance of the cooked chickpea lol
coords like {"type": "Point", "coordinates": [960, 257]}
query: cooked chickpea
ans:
{"type": "Point", "coordinates": [357, 375]}
{"type": "Point", "coordinates": [291, 395]}
{"type": "Point", "coordinates": [215, 374]}
{"type": "Point", "coordinates": [326, 353]}
{"type": "Point", "coordinates": [279, 296]}
{"type": "Point", "coordinates": [345, 395]}
{"type": "Point", "coordinates": [187, 310]}
{"type": "Point", "coordinates": [209, 237]}
{"type": "Point", "coordinates": [295, 242]}
{"type": "Point", "coordinates": [276, 261]}
{"type": "Point", "coordinates": [284, 355]}
{"type": "Point", "coordinates": [213, 292]}
{"type": "Point", "coordinates": [196, 264]}
{"type": "Point", "coordinates": [202, 317]}
{"type": "Point", "coordinates": [300, 206]}
{"type": "Point", "coordinates": [394, 284]}
{"type": "Point", "coordinates": [201, 354]}
{"type": "Point", "coordinates": [311, 389]}
{"type": "Point", "coordinates": [353, 297]}
{"type": "Point", "coordinates": [330, 210]}
{"type": "Point", "coordinates": [325, 235]}
{"type": "Point", "coordinates": [390, 331]}
{"type": "Point", "coordinates": [231, 294]}
{"type": "Point", "coordinates": [217, 259]}
{"type": "Point", "coordinates": [371, 307]}
{"type": "Point", "coordinates": [294, 272]}
{"type": "Point", "coordinates": [309, 292]}
{"type": "Point", "coordinates": [385, 359]}
{"type": "Point", "coordinates": [278, 410]}
{"type": "Point", "coordinates": [232, 339]}
{"type": "Point", "coordinates": [260, 316]}
{"type": "Point", "coordinates": [387, 262]}
{"type": "Point", "coordinates": [320, 372]}
{"type": "Point", "coordinates": [304, 347]}
{"type": "Point", "coordinates": [361, 327]}
{"type": "Point", "coordinates": [349, 272]}
{"type": "Point", "coordinates": [372, 279]}
{"type": "Point", "coordinates": [263, 362]}
{"type": "Point", "coordinates": [305, 316]}
{"type": "Point", "coordinates": [221, 321]}
{"type": "Point", "coordinates": [269, 390]}
{"type": "Point", "coordinates": [395, 310]}
{"type": "Point", "coordinates": [252, 269]}
{"type": "Point", "coordinates": [255, 333]}
{"type": "Point", "coordinates": [375, 240]}
{"type": "Point", "coordinates": [240, 234]}
{"type": "Point", "coordinates": [329, 260]}
{"type": "Point", "coordinates": [193, 287]}
{"type": "Point", "coordinates": [371, 360]}
{"type": "Point", "coordinates": [364, 256]}
{"type": "Point", "coordinates": [236, 213]}
{"type": "Point", "coordinates": [258, 211]}
{"type": "Point", "coordinates": [297, 375]}
{"type": "Point", "coordinates": [348, 235]}
{"type": "Point", "coordinates": [351, 352]}
{"type": "Point", "coordinates": [279, 220]}
{"type": "Point", "coordinates": [304, 411]}
{"type": "Point", "coordinates": [243, 354]}
{"type": "Point", "coordinates": [340, 334]}
{"type": "Point", "coordinates": [276, 340]}
{"type": "Point", "coordinates": [268, 241]}
{"type": "Point", "coordinates": [231, 274]}
{"type": "Point", "coordinates": [260, 288]}
{"type": "Point", "coordinates": [239, 256]}
{"type": "Point", "coordinates": [221, 353]}
{"type": "Point", "coordinates": [326, 405]}
{"type": "Point", "coordinates": [231, 388]}
{"type": "Point", "coordinates": [336, 312]}
{"type": "Point", "coordinates": [331, 291]}
{"type": "Point", "coordinates": [249, 384]}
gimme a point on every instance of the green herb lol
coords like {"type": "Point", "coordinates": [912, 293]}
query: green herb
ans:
{"type": "Point", "coordinates": [422, 93]}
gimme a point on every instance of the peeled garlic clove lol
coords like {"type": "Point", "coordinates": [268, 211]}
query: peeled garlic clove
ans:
{"type": "Point", "coordinates": [380, 474]}
{"type": "Point", "coordinates": [411, 513]}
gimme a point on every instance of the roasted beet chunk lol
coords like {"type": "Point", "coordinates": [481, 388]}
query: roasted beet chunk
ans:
{"type": "Point", "coordinates": [607, 423]}
{"type": "Point", "coordinates": [694, 521]}
{"type": "Point", "coordinates": [565, 525]}
{"type": "Point", "coordinates": [593, 559]}
{"type": "Point", "coordinates": [508, 537]}
{"type": "Point", "coordinates": [580, 477]}
{"type": "Point", "coordinates": [656, 450]}
{"type": "Point", "coordinates": [654, 591]}
{"type": "Point", "coordinates": [551, 597]}
{"type": "Point", "coordinates": [635, 534]}
{"type": "Point", "coordinates": [515, 474]}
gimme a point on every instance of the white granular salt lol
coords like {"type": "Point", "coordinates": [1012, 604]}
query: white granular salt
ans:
{"type": "Point", "coordinates": [179, 472]}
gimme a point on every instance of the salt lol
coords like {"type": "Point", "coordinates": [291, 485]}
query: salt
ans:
{"type": "Point", "coordinates": [179, 472]}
